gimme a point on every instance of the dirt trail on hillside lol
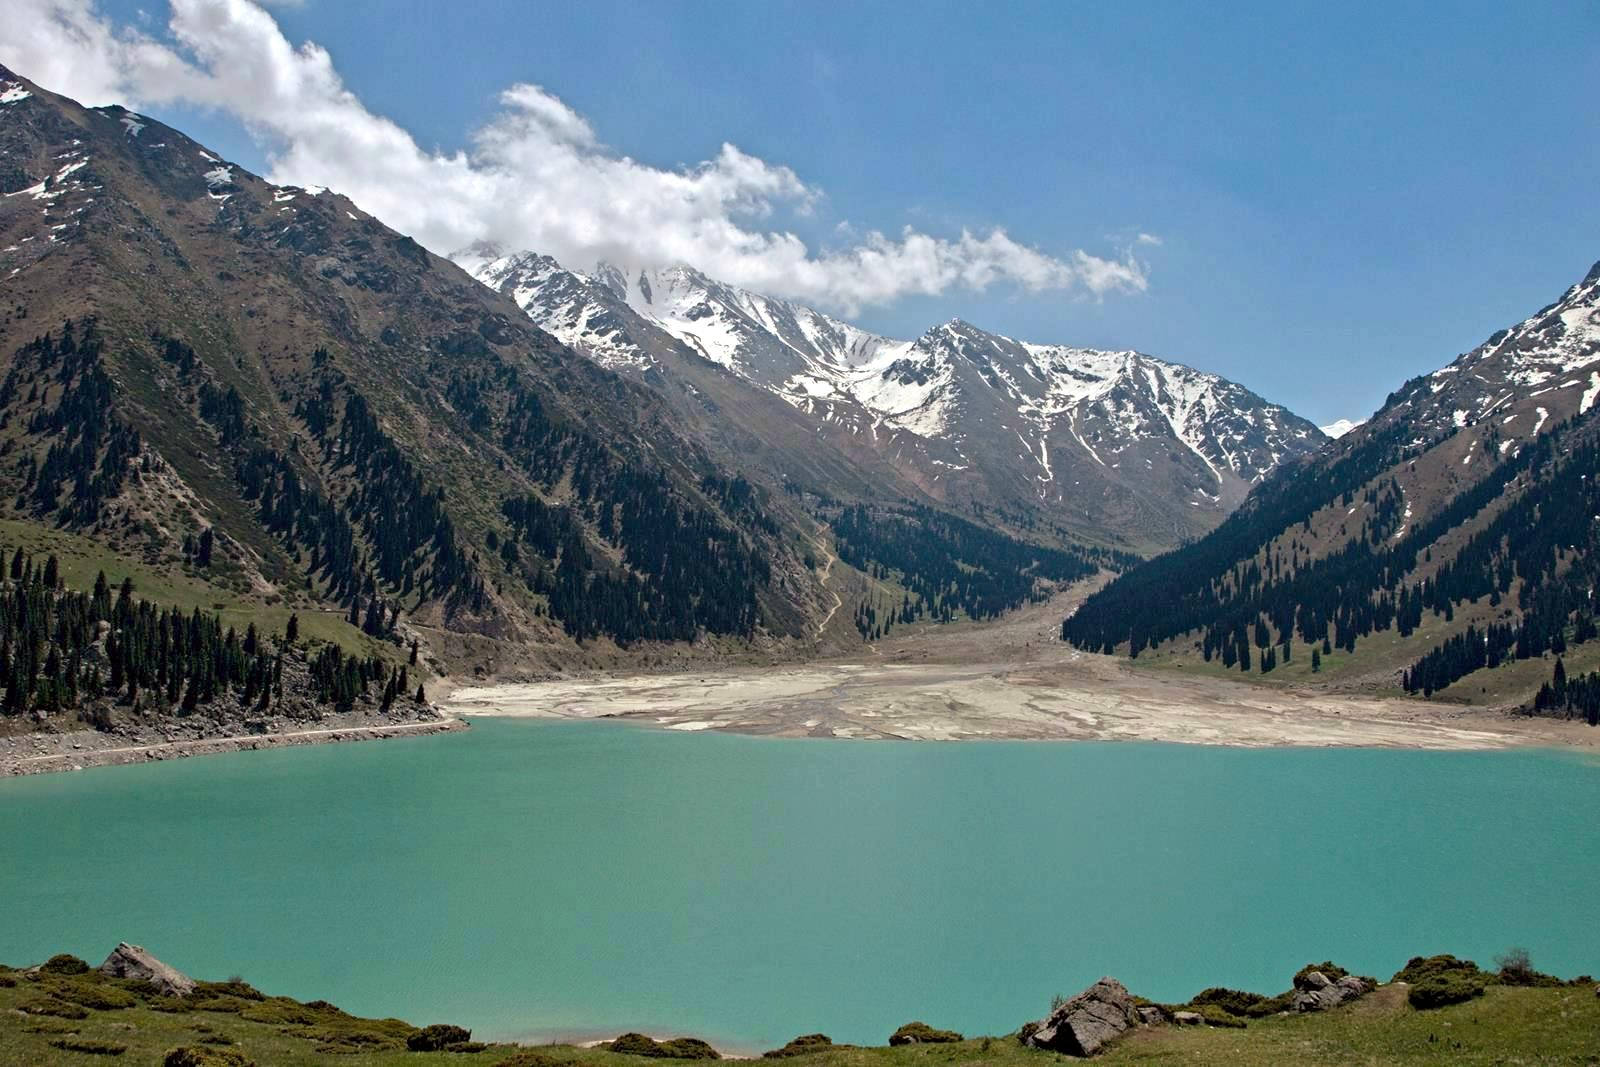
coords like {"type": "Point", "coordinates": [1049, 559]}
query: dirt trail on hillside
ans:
{"type": "Point", "coordinates": [1010, 679]}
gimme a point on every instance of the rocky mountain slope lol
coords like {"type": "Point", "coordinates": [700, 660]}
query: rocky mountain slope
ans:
{"type": "Point", "coordinates": [263, 398]}
{"type": "Point", "coordinates": [348, 423]}
{"type": "Point", "coordinates": [1450, 534]}
{"type": "Point", "coordinates": [1118, 447]}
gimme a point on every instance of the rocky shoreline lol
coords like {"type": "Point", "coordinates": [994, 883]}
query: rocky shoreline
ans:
{"type": "Point", "coordinates": [73, 750]}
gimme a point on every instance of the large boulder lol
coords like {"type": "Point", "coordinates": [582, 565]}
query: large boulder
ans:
{"type": "Point", "coordinates": [1316, 992]}
{"type": "Point", "coordinates": [131, 961]}
{"type": "Point", "coordinates": [1086, 1023]}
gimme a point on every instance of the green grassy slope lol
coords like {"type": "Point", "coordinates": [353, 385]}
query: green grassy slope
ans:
{"type": "Point", "coordinates": [56, 1019]}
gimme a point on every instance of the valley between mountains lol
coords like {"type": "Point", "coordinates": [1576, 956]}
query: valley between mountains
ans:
{"type": "Point", "coordinates": [268, 467]}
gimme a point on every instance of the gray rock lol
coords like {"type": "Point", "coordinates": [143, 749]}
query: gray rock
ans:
{"type": "Point", "coordinates": [1353, 987]}
{"type": "Point", "coordinates": [1188, 1018]}
{"type": "Point", "coordinates": [1313, 995]}
{"type": "Point", "coordinates": [1086, 1023]}
{"type": "Point", "coordinates": [1151, 1015]}
{"type": "Point", "coordinates": [1314, 980]}
{"type": "Point", "coordinates": [131, 961]}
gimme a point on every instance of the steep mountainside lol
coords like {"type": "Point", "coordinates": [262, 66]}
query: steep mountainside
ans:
{"type": "Point", "coordinates": [1113, 446]}
{"type": "Point", "coordinates": [349, 422]}
{"type": "Point", "coordinates": [1452, 532]}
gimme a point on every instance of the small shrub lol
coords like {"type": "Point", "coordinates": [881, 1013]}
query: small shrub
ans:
{"type": "Point", "coordinates": [49, 1028]}
{"type": "Point", "coordinates": [1233, 1001]}
{"type": "Point", "coordinates": [233, 987]}
{"type": "Point", "coordinates": [170, 1005]}
{"type": "Point", "coordinates": [226, 1005]}
{"type": "Point", "coordinates": [353, 1039]}
{"type": "Point", "coordinates": [50, 1006]}
{"type": "Point", "coordinates": [64, 964]}
{"type": "Point", "coordinates": [690, 1048]}
{"type": "Point", "coordinates": [281, 1011]}
{"type": "Point", "coordinates": [199, 1056]}
{"type": "Point", "coordinates": [920, 1033]}
{"type": "Point", "coordinates": [94, 995]}
{"type": "Point", "coordinates": [528, 1058]}
{"type": "Point", "coordinates": [468, 1047]}
{"type": "Point", "coordinates": [1439, 990]}
{"type": "Point", "coordinates": [800, 1046]}
{"type": "Point", "coordinates": [88, 1047]}
{"type": "Point", "coordinates": [7, 982]}
{"type": "Point", "coordinates": [1515, 967]}
{"type": "Point", "coordinates": [1215, 1016]}
{"type": "Point", "coordinates": [437, 1037]}
{"type": "Point", "coordinates": [1027, 1032]}
{"type": "Point", "coordinates": [678, 1048]}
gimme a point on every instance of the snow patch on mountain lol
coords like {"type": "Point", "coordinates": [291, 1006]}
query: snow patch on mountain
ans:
{"type": "Point", "coordinates": [954, 388]}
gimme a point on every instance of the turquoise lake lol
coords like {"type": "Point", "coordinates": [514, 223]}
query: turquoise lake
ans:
{"type": "Point", "coordinates": [529, 879]}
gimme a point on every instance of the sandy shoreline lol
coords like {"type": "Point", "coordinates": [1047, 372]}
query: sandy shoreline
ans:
{"type": "Point", "coordinates": [50, 753]}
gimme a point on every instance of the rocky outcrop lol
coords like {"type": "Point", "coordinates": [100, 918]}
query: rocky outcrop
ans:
{"type": "Point", "coordinates": [1315, 991]}
{"type": "Point", "coordinates": [1086, 1023]}
{"type": "Point", "coordinates": [131, 961]}
{"type": "Point", "coordinates": [1188, 1018]}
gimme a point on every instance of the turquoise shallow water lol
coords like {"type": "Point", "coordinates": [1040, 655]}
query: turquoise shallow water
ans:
{"type": "Point", "coordinates": [528, 878]}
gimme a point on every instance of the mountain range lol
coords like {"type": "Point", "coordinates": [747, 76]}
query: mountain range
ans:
{"type": "Point", "coordinates": [264, 401]}
{"type": "Point", "coordinates": [1449, 543]}
{"type": "Point", "coordinates": [1113, 447]}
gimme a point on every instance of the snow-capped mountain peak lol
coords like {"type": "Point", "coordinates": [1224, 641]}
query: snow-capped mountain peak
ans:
{"type": "Point", "coordinates": [1083, 430]}
{"type": "Point", "coordinates": [1339, 427]}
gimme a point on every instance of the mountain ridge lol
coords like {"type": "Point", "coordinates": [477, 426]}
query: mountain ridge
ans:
{"type": "Point", "coordinates": [970, 417]}
{"type": "Point", "coordinates": [1448, 536]}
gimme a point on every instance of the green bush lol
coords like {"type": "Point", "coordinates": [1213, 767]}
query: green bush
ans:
{"type": "Point", "coordinates": [226, 1005]}
{"type": "Point", "coordinates": [528, 1058]}
{"type": "Point", "coordinates": [920, 1033]}
{"type": "Point", "coordinates": [800, 1046]}
{"type": "Point", "coordinates": [1437, 991]}
{"type": "Point", "coordinates": [50, 1006]}
{"type": "Point", "coordinates": [1233, 1001]}
{"type": "Point", "coordinates": [437, 1038]}
{"type": "Point", "coordinates": [1419, 967]}
{"type": "Point", "coordinates": [678, 1048]}
{"type": "Point", "coordinates": [281, 1011]}
{"type": "Point", "coordinates": [198, 1056]}
{"type": "Point", "coordinates": [1215, 1016]}
{"type": "Point", "coordinates": [64, 964]}
{"type": "Point", "coordinates": [88, 1047]}
{"type": "Point", "coordinates": [1516, 968]}
{"type": "Point", "coordinates": [94, 995]}
{"type": "Point", "coordinates": [233, 987]}
{"type": "Point", "coordinates": [690, 1048]}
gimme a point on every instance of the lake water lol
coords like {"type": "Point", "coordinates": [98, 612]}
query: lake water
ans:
{"type": "Point", "coordinates": [531, 878]}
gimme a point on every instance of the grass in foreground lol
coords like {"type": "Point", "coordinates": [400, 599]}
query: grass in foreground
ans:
{"type": "Point", "coordinates": [84, 1019]}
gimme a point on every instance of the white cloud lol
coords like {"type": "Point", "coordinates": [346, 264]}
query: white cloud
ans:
{"type": "Point", "coordinates": [536, 176]}
{"type": "Point", "coordinates": [1149, 239]}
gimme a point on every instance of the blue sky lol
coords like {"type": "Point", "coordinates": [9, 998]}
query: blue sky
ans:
{"type": "Point", "coordinates": [1345, 195]}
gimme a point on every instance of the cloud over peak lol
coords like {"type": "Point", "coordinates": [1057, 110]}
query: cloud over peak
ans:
{"type": "Point", "coordinates": [536, 175]}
